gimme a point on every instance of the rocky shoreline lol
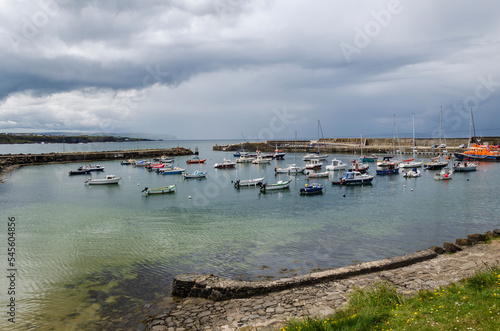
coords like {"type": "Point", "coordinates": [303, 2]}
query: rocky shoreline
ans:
{"type": "Point", "coordinates": [266, 311]}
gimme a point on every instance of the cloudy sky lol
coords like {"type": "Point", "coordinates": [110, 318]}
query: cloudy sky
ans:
{"type": "Point", "coordinates": [264, 69]}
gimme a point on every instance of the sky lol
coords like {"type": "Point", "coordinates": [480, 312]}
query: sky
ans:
{"type": "Point", "coordinates": [250, 69]}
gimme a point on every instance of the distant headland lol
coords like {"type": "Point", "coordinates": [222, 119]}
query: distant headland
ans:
{"type": "Point", "coordinates": [36, 138]}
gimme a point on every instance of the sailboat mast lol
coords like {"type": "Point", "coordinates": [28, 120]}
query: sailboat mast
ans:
{"type": "Point", "coordinates": [413, 120]}
{"type": "Point", "coordinates": [440, 124]}
{"type": "Point", "coordinates": [394, 135]}
{"type": "Point", "coordinates": [470, 130]}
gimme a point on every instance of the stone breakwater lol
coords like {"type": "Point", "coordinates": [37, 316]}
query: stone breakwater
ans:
{"type": "Point", "coordinates": [11, 161]}
{"type": "Point", "coordinates": [321, 293]}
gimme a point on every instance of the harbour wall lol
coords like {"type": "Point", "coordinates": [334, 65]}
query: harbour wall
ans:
{"type": "Point", "coordinates": [218, 288]}
{"type": "Point", "coordinates": [9, 160]}
{"type": "Point", "coordinates": [353, 145]}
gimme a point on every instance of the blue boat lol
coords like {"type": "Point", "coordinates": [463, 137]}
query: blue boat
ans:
{"type": "Point", "coordinates": [387, 167]}
{"type": "Point", "coordinates": [171, 171]}
{"type": "Point", "coordinates": [313, 188]}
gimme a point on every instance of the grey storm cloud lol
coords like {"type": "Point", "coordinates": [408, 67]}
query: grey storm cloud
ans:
{"type": "Point", "coordinates": [129, 65]}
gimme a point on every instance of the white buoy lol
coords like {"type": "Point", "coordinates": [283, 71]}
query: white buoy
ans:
{"type": "Point", "coordinates": [138, 184]}
{"type": "Point", "coordinates": [411, 190]}
{"type": "Point", "coordinates": [189, 197]}
{"type": "Point", "coordinates": [404, 185]}
{"type": "Point", "coordinates": [129, 177]}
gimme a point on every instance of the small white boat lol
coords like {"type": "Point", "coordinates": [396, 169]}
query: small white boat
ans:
{"type": "Point", "coordinates": [413, 173]}
{"type": "Point", "coordinates": [280, 185]}
{"type": "Point", "coordinates": [464, 166]}
{"type": "Point", "coordinates": [196, 174]}
{"type": "Point", "coordinates": [311, 174]}
{"type": "Point", "coordinates": [159, 190]}
{"type": "Point", "coordinates": [226, 164]}
{"type": "Point", "coordinates": [336, 165]}
{"type": "Point", "coordinates": [248, 182]}
{"type": "Point", "coordinates": [110, 179]}
{"type": "Point", "coordinates": [314, 156]}
{"type": "Point", "coordinates": [354, 178]}
{"type": "Point", "coordinates": [245, 159]}
{"type": "Point", "coordinates": [290, 169]}
{"type": "Point", "coordinates": [91, 168]}
{"type": "Point", "coordinates": [411, 163]}
{"type": "Point", "coordinates": [260, 159]}
{"type": "Point", "coordinates": [314, 164]}
{"type": "Point", "coordinates": [444, 174]}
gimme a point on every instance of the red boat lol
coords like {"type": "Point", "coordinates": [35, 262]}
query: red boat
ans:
{"type": "Point", "coordinates": [196, 160]}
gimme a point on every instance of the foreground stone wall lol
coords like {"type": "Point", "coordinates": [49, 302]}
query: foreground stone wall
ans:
{"type": "Point", "coordinates": [218, 288]}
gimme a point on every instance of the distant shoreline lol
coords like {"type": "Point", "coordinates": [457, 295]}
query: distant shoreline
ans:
{"type": "Point", "coordinates": [15, 138]}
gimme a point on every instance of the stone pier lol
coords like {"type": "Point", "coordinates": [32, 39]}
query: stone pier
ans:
{"type": "Point", "coordinates": [266, 310]}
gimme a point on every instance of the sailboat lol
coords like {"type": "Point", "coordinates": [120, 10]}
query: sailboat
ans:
{"type": "Point", "coordinates": [317, 155]}
{"type": "Point", "coordinates": [436, 162]}
{"type": "Point", "coordinates": [364, 158]}
{"type": "Point", "coordinates": [411, 163]}
{"type": "Point", "coordinates": [291, 168]}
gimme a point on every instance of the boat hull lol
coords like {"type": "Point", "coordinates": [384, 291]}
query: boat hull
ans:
{"type": "Point", "coordinates": [161, 190]}
{"type": "Point", "coordinates": [354, 181]}
{"type": "Point", "coordinates": [103, 181]}
{"type": "Point", "coordinates": [462, 156]}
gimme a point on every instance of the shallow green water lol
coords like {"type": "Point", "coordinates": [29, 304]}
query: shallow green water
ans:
{"type": "Point", "coordinates": [95, 257]}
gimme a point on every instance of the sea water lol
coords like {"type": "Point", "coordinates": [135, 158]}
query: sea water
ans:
{"type": "Point", "coordinates": [102, 257]}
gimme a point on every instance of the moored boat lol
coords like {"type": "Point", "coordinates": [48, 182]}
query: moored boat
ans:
{"type": "Point", "coordinates": [444, 174]}
{"type": "Point", "coordinates": [413, 173]}
{"type": "Point", "coordinates": [79, 172]}
{"type": "Point", "coordinates": [195, 160]}
{"type": "Point", "coordinates": [336, 165]}
{"type": "Point", "coordinates": [196, 174]}
{"type": "Point", "coordinates": [435, 164]}
{"type": "Point", "coordinates": [411, 163]}
{"type": "Point", "coordinates": [110, 179]}
{"type": "Point", "coordinates": [261, 159]}
{"type": "Point", "coordinates": [311, 174]}
{"type": "Point", "coordinates": [464, 166]}
{"type": "Point", "coordinates": [354, 178]}
{"type": "Point", "coordinates": [480, 153]}
{"type": "Point", "coordinates": [314, 164]}
{"type": "Point", "coordinates": [357, 166]}
{"type": "Point", "coordinates": [91, 168]}
{"type": "Point", "coordinates": [170, 171]}
{"type": "Point", "coordinates": [226, 164]}
{"type": "Point", "coordinates": [159, 190]}
{"type": "Point", "coordinates": [290, 169]}
{"type": "Point", "coordinates": [313, 188]}
{"type": "Point", "coordinates": [280, 185]}
{"type": "Point", "coordinates": [248, 182]}
{"type": "Point", "coordinates": [245, 159]}
{"type": "Point", "coordinates": [371, 158]}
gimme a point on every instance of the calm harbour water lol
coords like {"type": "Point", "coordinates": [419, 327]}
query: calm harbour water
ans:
{"type": "Point", "coordinates": [95, 258]}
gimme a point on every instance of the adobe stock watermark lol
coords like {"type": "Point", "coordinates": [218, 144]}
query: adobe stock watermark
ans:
{"type": "Point", "coordinates": [364, 36]}
{"type": "Point", "coordinates": [32, 25]}
{"type": "Point", "coordinates": [454, 118]}
{"type": "Point", "coordinates": [277, 123]}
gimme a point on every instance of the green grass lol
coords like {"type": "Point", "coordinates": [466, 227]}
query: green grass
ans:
{"type": "Point", "coordinates": [471, 304]}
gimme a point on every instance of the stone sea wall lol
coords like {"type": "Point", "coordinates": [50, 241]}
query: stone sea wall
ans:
{"type": "Point", "coordinates": [11, 160]}
{"type": "Point", "coordinates": [353, 145]}
{"type": "Point", "coordinates": [218, 288]}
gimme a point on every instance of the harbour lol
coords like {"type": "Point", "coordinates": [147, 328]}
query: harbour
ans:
{"type": "Point", "coordinates": [122, 250]}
